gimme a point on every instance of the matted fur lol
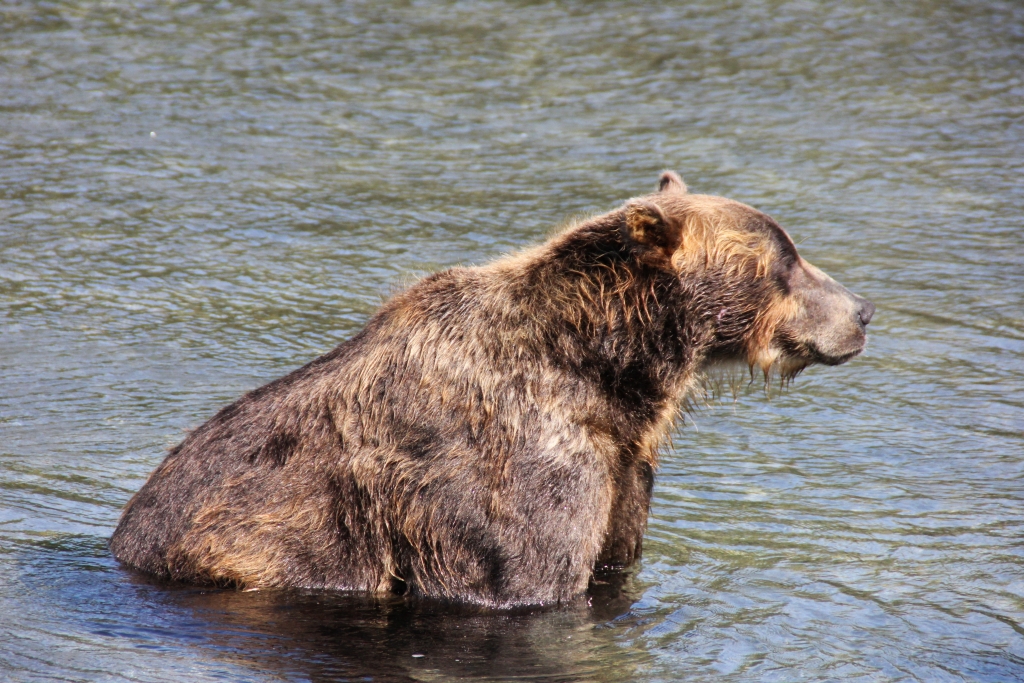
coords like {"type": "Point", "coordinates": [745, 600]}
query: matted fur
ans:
{"type": "Point", "coordinates": [491, 435]}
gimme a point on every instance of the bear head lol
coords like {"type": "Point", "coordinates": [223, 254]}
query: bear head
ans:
{"type": "Point", "coordinates": [757, 300]}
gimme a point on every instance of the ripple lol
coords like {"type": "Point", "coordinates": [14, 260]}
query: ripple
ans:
{"type": "Point", "coordinates": [198, 198]}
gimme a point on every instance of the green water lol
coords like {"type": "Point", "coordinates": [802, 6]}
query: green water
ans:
{"type": "Point", "coordinates": [196, 198]}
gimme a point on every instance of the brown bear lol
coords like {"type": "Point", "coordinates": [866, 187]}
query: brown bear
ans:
{"type": "Point", "coordinates": [491, 435]}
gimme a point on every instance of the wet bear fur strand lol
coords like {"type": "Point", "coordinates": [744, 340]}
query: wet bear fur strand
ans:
{"type": "Point", "coordinates": [491, 435]}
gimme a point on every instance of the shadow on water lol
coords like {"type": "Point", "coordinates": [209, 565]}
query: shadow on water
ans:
{"type": "Point", "coordinates": [322, 636]}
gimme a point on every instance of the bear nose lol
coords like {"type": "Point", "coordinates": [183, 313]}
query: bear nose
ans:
{"type": "Point", "coordinates": [866, 311]}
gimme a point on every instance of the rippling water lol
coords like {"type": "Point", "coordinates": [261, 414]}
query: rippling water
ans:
{"type": "Point", "coordinates": [198, 197]}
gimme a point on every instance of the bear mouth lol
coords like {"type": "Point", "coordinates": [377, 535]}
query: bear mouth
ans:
{"type": "Point", "coordinates": [823, 358]}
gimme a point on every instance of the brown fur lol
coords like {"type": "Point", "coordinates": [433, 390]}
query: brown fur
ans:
{"type": "Point", "coordinates": [492, 434]}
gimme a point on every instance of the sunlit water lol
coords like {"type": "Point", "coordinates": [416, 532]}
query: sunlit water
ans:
{"type": "Point", "coordinates": [196, 198]}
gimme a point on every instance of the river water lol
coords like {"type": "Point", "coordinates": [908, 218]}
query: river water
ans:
{"type": "Point", "coordinates": [196, 198]}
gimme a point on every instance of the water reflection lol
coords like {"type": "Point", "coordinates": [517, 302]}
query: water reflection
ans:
{"type": "Point", "coordinates": [332, 637]}
{"type": "Point", "coordinates": [301, 635]}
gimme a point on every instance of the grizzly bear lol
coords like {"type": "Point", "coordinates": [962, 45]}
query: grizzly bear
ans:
{"type": "Point", "coordinates": [491, 435]}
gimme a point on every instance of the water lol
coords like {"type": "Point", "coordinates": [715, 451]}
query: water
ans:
{"type": "Point", "coordinates": [196, 198]}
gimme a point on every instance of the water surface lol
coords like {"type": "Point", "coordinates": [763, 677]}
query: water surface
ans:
{"type": "Point", "coordinates": [196, 198]}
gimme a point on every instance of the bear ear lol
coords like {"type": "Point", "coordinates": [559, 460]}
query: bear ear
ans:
{"type": "Point", "coordinates": [671, 182]}
{"type": "Point", "coordinates": [647, 224]}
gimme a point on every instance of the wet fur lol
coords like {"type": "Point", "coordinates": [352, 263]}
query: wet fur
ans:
{"type": "Point", "coordinates": [491, 436]}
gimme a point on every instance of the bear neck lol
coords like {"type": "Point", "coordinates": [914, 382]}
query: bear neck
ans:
{"type": "Point", "coordinates": [621, 320]}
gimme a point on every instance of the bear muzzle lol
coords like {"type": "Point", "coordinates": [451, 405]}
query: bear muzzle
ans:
{"type": "Point", "coordinates": [830, 325]}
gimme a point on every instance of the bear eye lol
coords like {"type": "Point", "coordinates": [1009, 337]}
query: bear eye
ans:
{"type": "Point", "coordinates": [786, 257]}
{"type": "Point", "coordinates": [785, 248]}
{"type": "Point", "coordinates": [782, 272]}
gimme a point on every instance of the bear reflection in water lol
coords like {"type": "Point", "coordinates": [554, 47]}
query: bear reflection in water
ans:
{"type": "Point", "coordinates": [328, 636]}
{"type": "Point", "coordinates": [491, 436]}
